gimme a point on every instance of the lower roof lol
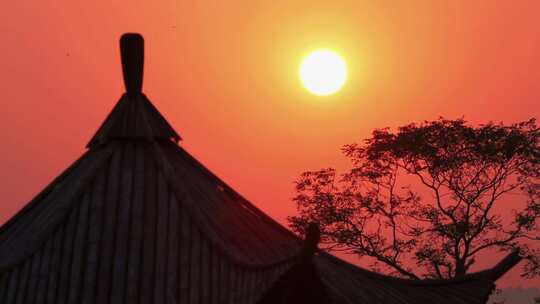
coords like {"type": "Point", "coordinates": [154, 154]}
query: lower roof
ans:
{"type": "Point", "coordinates": [141, 173]}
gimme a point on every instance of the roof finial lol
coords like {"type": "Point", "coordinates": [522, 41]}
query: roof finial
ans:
{"type": "Point", "coordinates": [313, 236]}
{"type": "Point", "coordinates": [132, 51]}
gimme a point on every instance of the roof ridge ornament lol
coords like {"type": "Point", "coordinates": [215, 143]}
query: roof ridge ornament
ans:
{"type": "Point", "coordinates": [134, 117]}
{"type": "Point", "coordinates": [132, 53]}
{"type": "Point", "coordinates": [311, 241]}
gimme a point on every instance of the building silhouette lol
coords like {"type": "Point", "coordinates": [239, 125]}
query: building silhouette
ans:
{"type": "Point", "coordinates": [136, 219]}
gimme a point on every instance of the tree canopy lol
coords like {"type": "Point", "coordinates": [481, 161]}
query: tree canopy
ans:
{"type": "Point", "coordinates": [437, 195]}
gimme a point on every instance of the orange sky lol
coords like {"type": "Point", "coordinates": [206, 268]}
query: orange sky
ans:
{"type": "Point", "coordinates": [225, 75]}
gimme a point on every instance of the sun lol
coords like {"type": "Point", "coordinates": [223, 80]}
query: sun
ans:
{"type": "Point", "coordinates": [323, 72]}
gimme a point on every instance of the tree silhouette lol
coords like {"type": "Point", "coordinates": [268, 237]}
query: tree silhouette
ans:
{"type": "Point", "coordinates": [438, 194]}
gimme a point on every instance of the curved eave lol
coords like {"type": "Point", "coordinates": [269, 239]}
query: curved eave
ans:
{"type": "Point", "coordinates": [347, 283]}
{"type": "Point", "coordinates": [491, 274]}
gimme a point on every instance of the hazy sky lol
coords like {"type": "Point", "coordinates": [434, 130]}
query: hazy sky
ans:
{"type": "Point", "coordinates": [225, 75]}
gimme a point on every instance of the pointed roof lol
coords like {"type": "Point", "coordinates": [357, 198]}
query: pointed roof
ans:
{"type": "Point", "coordinates": [137, 219]}
{"type": "Point", "coordinates": [134, 116]}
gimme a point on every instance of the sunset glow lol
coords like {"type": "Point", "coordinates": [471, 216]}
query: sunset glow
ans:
{"type": "Point", "coordinates": [227, 75]}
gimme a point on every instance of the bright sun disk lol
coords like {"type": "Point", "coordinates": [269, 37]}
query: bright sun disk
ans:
{"type": "Point", "coordinates": [323, 72]}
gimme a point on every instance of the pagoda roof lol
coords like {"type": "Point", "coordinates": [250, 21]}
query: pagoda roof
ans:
{"type": "Point", "coordinates": [137, 219]}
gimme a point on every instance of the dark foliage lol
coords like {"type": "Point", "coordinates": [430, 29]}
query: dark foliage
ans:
{"type": "Point", "coordinates": [439, 194]}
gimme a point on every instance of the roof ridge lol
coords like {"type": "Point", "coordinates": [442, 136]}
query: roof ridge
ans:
{"type": "Point", "coordinates": [170, 175]}
{"type": "Point", "coordinates": [247, 202]}
{"type": "Point", "coordinates": [26, 238]}
{"type": "Point", "coordinates": [506, 264]}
